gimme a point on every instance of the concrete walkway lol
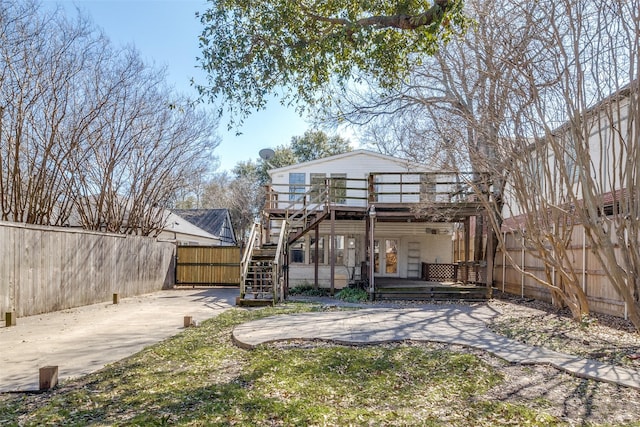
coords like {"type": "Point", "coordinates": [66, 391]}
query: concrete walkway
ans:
{"type": "Point", "coordinates": [85, 339]}
{"type": "Point", "coordinates": [463, 325]}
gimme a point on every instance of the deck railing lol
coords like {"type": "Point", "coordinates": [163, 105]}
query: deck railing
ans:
{"type": "Point", "coordinates": [246, 256]}
{"type": "Point", "coordinates": [379, 187]}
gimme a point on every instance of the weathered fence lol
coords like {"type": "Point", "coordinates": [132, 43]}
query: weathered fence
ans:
{"type": "Point", "coordinates": [208, 265]}
{"type": "Point", "coordinates": [601, 295]}
{"type": "Point", "coordinates": [45, 269]}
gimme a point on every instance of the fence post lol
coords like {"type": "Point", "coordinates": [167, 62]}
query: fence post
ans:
{"type": "Point", "coordinates": [10, 318]}
{"type": "Point", "coordinates": [48, 377]}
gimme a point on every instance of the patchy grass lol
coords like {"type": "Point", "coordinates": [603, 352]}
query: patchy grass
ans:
{"type": "Point", "coordinates": [200, 378]}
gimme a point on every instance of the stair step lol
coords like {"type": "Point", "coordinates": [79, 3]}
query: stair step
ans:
{"type": "Point", "coordinates": [265, 251]}
{"type": "Point", "coordinates": [257, 296]}
{"type": "Point", "coordinates": [436, 293]}
{"type": "Point", "coordinates": [434, 289]}
{"type": "Point", "coordinates": [248, 302]}
{"type": "Point", "coordinates": [259, 276]}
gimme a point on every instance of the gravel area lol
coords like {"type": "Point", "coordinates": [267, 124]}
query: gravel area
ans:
{"type": "Point", "coordinates": [577, 401]}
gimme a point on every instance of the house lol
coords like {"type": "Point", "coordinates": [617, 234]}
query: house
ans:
{"type": "Point", "coordinates": [581, 189]}
{"type": "Point", "coordinates": [342, 208]}
{"type": "Point", "coordinates": [208, 227]}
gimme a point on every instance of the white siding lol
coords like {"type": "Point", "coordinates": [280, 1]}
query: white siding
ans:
{"type": "Point", "coordinates": [608, 139]}
{"type": "Point", "coordinates": [434, 241]}
{"type": "Point", "coordinates": [357, 166]}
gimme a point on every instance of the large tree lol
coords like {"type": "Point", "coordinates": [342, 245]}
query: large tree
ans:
{"type": "Point", "coordinates": [495, 100]}
{"type": "Point", "coordinates": [254, 48]}
{"type": "Point", "coordinates": [315, 144]}
{"type": "Point", "coordinates": [89, 133]}
{"type": "Point", "coordinates": [591, 58]}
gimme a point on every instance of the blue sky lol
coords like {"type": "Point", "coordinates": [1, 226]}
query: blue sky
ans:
{"type": "Point", "coordinates": [165, 32]}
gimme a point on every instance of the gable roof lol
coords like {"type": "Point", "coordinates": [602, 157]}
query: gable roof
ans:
{"type": "Point", "coordinates": [214, 221]}
{"type": "Point", "coordinates": [404, 163]}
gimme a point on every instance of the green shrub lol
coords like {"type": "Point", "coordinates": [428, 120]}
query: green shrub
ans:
{"type": "Point", "coordinates": [353, 295]}
{"type": "Point", "coordinates": [308, 291]}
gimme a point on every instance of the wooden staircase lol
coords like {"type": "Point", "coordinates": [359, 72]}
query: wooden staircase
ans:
{"type": "Point", "coordinates": [262, 269]}
{"type": "Point", "coordinates": [259, 280]}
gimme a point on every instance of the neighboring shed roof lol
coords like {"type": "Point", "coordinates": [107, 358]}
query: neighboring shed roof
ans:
{"type": "Point", "coordinates": [213, 221]}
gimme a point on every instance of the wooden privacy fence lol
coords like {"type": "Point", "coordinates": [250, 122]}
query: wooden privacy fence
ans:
{"type": "Point", "coordinates": [44, 269]}
{"type": "Point", "coordinates": [207, 265]}
{"type": "Point", "coordinates": [600, 293]}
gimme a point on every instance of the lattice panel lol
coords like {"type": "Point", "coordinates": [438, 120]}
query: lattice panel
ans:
{"type": "Point", "coordinates": [439, 272]}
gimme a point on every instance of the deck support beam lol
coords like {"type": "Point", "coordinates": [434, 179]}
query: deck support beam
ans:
{"type": "Point", "coordinates": [332, 251]}
{"type": "Point", "coordinates": [316, 274]}
{"type": "Point", "coordinates": [467, 241]}
{"type": "Point", "coordinates": [490, 254]}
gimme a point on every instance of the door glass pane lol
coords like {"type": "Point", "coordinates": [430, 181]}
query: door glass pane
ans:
{"type": "Point", "coordinates": [296, 251]}
{"type": "Point", "coordinates": [339, 248]}
{"type": "Point", "coordinates": [391, 256]}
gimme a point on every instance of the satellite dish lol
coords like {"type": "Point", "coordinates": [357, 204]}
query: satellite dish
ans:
{"type": "Point", "coordinates": [266, 153]}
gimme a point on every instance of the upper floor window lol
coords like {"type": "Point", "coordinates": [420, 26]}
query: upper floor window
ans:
{"type": "Point", "coordinates": [610, 209]}
{"type": "Point", "coordinates": [338, 190]}
{"type": "Point", "coordinates": [317, 185]}
{"type": "Point", "coordinates": [296, 186]}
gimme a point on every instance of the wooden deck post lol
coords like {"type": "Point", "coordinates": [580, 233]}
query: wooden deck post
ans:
{"type": "Point", "coordinates": [372, 286]}
{"type": "Point", "coordinates": [332, 251]}
{"type": "Point", "coordinates": [467, 240]}
{"type": "Point", "coordinates": [315, 264]}
{"type": "Point", "coordinates": [490, 254]}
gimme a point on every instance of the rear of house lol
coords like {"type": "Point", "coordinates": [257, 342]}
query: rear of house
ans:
{"type": "Point", "coordinates": [370, 194]}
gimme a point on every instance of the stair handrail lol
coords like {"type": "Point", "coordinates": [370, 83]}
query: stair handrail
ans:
{"type": "Point", "coordinates": [278, 261]}
{"type": "Point", "coordinates": [320, 200]}
{"type": "Point", "coordinates": [246, 256]}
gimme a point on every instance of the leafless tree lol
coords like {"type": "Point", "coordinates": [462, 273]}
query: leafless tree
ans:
{"type": "Point", "coordinates": [90, 133]}
{"type": "Point", "coordinates": [458, 102]}
{"type": "Point", "coordinates": [591, 161]}
{"type": "Point", "coordinates": [42, 60]}
{"type": "Point", "coordinates": [241, 193]}
{"type": "Point", "coordinates": [471, 106]}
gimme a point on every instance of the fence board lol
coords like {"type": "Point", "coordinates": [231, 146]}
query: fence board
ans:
{"type": "Point", "coordinates": [45, 269]}
{"type": "Point", "coordinates": [600, 293]}
{"type": "Point", "coordinates": [208, 265]}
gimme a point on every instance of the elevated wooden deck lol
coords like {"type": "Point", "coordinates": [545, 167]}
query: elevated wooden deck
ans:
{"type": "Point", "coordinates": [395, 212]}
{"type": "Point", "coordinates": [397, 196]}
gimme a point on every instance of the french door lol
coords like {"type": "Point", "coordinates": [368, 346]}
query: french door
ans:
{"type": "Point", "coordinates": [385, 257]}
